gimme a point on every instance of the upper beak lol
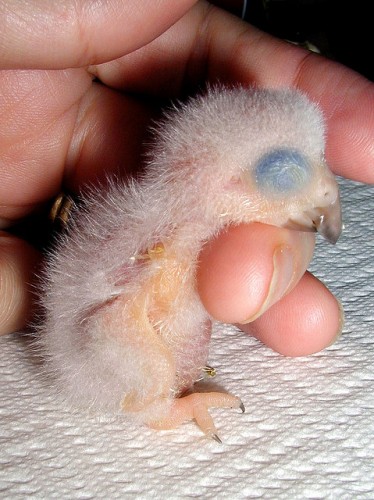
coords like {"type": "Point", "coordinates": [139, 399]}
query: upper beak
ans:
{"type": "Point", "coordinates": [327, 221]}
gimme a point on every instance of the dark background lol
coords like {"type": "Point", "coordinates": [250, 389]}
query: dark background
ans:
{"type": "Point", "coordinates": [342, 30]}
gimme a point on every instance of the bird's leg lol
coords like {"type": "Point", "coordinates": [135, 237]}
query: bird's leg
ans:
{"type": "Point", "coordinates": [195, 406]}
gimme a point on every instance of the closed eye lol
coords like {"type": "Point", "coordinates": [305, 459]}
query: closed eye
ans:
{"type": "Point", "coordinates": [282, 171]}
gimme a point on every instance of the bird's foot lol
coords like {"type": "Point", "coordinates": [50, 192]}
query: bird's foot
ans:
{"type": "Point", "coordinates": [195, 406]}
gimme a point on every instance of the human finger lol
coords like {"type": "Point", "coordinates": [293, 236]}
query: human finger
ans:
{"type": "Point", "coordinates": [53, 35]}
{"type": "Point", "coordinates": [61, 130]}
{"type": "Point", "coordinates": [39, 111]}
{"type": "Point", "coordinates": [254, 275]}
{"type": "Point", "coordinates": [248, 268]}
{"type": "Point", "coordinates": [208, 44]}
{"type": "Point", "coordinates": [305, 321]}
{"type": "Point", "coordinates": [18, 262]}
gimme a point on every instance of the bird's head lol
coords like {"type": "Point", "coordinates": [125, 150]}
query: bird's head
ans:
{"type": "Point", "coordinates": [256, 155]}
{"type": "Point", "coordinates": [270, 146]}
{"type": "Point", "coordinates": [288, 171]}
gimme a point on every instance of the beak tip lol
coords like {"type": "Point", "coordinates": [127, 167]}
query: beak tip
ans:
{"type": "Point", "coordinates": [331, 236]}
{"type": "Point", "coordinates": [330, 227]}
{"type": "Point", "coordinates": [330, 224]}
{"type": "Point", "coordinates": [326, 221]}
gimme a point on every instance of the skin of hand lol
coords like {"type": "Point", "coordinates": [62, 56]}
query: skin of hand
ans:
{"type": "Point", "coordinates": [62, 128]}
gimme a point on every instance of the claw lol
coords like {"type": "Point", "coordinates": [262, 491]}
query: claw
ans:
{"type": "Point", "coordinates": [216, 438]}
{"type": "Point", "coordinates": [210, 371]}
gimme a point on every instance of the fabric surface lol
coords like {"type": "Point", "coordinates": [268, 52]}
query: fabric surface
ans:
{"type": "Point", "coordinates": [307, 431]}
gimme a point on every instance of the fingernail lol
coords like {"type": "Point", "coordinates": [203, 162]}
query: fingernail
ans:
{"type": "Point", "coordinates": [283, 273]}
{"type": "Point", "coordinates": [341, 323]}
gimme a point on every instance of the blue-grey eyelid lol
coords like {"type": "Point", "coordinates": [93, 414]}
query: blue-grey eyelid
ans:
{"type": "Point", "coordinates": [282, 171]}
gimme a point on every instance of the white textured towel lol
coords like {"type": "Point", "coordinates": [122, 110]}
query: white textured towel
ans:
{"type": "Point", "coordinates": [308, 430]}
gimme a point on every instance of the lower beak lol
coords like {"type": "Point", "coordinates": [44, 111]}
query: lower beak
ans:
{"type": "Point", "coordinates": [327, 221]}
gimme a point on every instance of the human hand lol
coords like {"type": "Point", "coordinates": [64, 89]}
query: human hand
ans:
{"type": "Point", "coordinates": [61, 128]}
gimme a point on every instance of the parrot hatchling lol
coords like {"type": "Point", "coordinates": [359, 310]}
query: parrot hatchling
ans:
{"type": "Point", "coordinates": [124, 327]}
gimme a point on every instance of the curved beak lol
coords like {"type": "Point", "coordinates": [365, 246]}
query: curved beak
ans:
{"type": "Point", "coordinates": [327, 221]}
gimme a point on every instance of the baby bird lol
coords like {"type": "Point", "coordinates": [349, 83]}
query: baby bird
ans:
{"type": "Point", "coordinates": [124, 327]}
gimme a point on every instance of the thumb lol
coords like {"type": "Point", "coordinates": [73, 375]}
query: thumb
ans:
{"type": "Point", "coordinates": [248, 268]}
